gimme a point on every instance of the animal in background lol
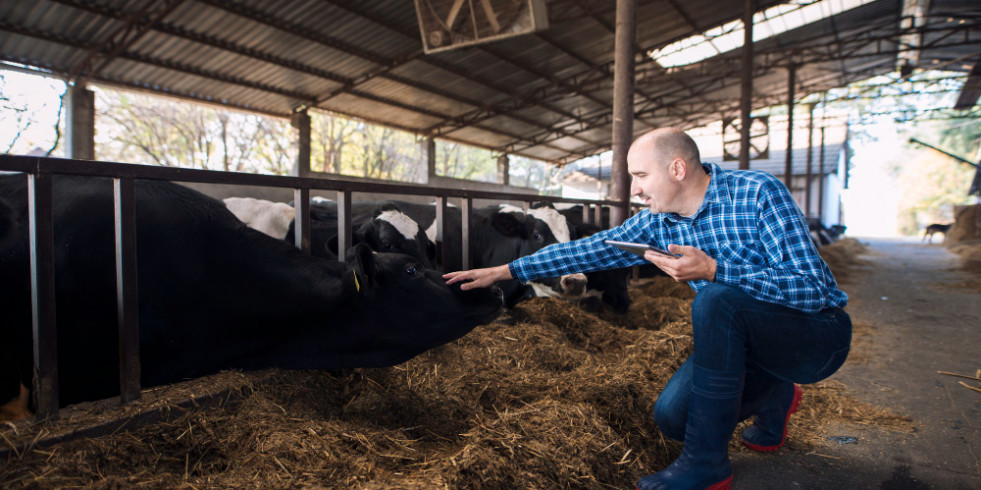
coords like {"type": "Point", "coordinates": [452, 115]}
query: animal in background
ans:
{"type": "Point", "coordinates": [936, 228]}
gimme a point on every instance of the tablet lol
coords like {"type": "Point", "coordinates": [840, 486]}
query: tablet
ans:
{"type": "Point", "coordinates": [638, 248]}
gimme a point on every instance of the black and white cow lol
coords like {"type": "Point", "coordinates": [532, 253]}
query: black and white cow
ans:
{"type": "Point", "coordinates": [271, 218]}
{"type": "Point", "coordinates": [384, 228]}
{"type": "Point", "coordinates": [213, 294]}
{"type": "Point", "coordinates": [501, 234]}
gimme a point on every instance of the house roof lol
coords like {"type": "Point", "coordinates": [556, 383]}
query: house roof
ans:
{"type": "Point", "coordinates": [546, 95]}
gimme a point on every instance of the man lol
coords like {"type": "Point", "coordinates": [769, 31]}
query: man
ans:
{"type": "Point", "coordinates": [767, 313]}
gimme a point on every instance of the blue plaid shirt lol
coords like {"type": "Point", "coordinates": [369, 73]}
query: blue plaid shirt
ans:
{"type": "Point", "coordinates": [748, 222]}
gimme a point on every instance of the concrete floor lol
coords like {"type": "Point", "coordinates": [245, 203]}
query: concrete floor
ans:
{"type": "Point", "coordinates": [917, 329]}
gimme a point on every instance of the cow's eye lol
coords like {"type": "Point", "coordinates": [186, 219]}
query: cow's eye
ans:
{"type": "Point", "coordinates": [410, 270]}
{"type": "Point", "coordinates": [537, 236]}
{"type": "Point", "coordinates": [387, 246]}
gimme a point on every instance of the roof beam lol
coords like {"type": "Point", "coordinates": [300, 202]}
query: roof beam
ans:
{"type": "Point", "coordinates": [134, 27]}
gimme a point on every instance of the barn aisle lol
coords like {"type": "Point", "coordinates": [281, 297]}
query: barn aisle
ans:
{"type": "Point", "coordinates": [916, 313]}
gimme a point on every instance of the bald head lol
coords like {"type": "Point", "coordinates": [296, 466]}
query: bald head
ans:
{"type": "Point", "coordinates": [666, 144]}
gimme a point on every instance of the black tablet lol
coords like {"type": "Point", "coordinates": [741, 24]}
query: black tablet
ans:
{"type": "Point", "coordinates": [638, 248]}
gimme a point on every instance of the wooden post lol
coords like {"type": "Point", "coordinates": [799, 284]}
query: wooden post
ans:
{"type": "Point", "coordinates": [746, 84]}
{"type": "Point", "coordinates": [623, 107]}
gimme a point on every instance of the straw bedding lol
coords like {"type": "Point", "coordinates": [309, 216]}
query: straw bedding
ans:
{"type": "Point", "coordinates": [547, 396]}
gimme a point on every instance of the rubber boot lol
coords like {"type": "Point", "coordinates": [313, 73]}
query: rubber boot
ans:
{"type": "Point", "coordinates": [712, 413]}
{"type": "Point", "coordinates": [769, 430]}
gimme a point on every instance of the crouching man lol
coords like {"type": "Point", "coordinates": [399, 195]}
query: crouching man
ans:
{"type": "Point", "coordinates": [767, 313]}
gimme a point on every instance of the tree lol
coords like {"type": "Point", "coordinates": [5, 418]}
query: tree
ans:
{"type": "Point", "coordinates": [31, 108]}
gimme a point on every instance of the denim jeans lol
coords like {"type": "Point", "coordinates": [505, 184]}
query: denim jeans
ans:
{"type": "Point", "coordinates": [771, 343]}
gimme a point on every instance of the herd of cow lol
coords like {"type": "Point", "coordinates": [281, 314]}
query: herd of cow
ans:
{"type": "Point", "coordinates": [216, 293]}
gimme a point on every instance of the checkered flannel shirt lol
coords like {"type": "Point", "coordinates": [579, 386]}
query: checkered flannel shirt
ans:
{"type": "Point", "coordinates": [748, 222]}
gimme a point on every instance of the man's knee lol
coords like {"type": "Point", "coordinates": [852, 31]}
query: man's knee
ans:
{"type": "Point", "coordinates": [715, 298]}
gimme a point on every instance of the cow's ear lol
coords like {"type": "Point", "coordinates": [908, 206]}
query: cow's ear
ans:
{"type": "Point", "coordinates": [364, 267]}
{"type": "Point", "coordinates": [508, 224]}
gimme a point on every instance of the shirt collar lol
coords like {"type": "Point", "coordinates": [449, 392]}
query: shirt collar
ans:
{"type": "Point", "coordinates": [717, 192]}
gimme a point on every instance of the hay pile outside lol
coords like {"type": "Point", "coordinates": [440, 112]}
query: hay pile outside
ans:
{"type": "Point", "coordinates": [967, 225]}
{"type": "Point", "coordinates": [546, 396]}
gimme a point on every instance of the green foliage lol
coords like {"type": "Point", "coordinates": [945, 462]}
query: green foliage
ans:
{"type": "Point", "coordinates": [139, 128]}
{"type": "Point", "coordinates": [933, 183]}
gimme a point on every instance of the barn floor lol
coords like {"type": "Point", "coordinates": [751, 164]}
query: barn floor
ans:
{"type": "Point", "coordinates": [916, 312]}
{"type": "Point", "coordinates": [552, 396]}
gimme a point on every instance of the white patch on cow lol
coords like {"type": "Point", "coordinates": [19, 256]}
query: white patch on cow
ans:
{"type": "Point", "coordinates": [555, 221]}
{"type": "Point", "coordinates": [404, 224]}
{"type": "Point", "coordinates": [431, 232]}
{"type": "Point", "coordinates": [510, 208]}
{"type": "Point", "coordinates": [543, 291]}
{"type": "Point", "coordinates": [271, 218]}
{"type": "Point", "coordinates": [321, 200]}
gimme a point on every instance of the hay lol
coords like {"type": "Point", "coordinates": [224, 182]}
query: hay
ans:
{"type": "Point", "coordinates": [970, 262]}
{"type": "Point", "coordinates": [843, 258]}
{"type": "Point", "coordinates": [547, 396]}
{"type": "Point", "coordinates": [967, 225]}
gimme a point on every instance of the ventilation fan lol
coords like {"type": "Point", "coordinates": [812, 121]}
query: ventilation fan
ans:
{"type": "Point", "coordinates": [759, 138]}
{"type": "Point", "coordinates": [448, 24]}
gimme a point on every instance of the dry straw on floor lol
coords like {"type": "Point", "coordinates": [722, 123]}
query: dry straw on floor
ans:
{"type": "Point", "coordinates": [548, 396]}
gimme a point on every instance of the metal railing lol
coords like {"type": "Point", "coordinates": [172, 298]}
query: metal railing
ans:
{"type": "Point", "coordinates": [39, 172]}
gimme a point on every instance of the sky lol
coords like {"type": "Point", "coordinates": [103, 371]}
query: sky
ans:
{"type": "Point", "coordinates": [40, 95]}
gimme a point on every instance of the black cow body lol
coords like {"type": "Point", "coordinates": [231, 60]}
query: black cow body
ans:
{"type": "Point", "coordinates": [213, 294]}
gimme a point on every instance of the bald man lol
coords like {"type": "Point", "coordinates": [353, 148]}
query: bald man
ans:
{"type": "Point", "coordinates": [767, 312]}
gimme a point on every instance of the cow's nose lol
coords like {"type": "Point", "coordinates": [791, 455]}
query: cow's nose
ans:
{"type": "Point", "coordinates": [573, 284]}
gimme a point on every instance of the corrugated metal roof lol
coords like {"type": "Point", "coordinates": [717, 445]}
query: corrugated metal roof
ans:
{"type": "Point", "coordinates": [546, 95]}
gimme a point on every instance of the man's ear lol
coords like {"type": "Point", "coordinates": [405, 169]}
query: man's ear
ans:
{"type": "Point", "coordinates": [679, 169]}
{"type": "Point", "coordinates": [508, 224]}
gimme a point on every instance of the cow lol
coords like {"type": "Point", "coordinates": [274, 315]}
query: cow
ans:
{"type": "Point", "coordinates": [213, 295]}
{"type": "Point", "coordinates": [7, 222]}
{"type": "Point", "coordinates": [271, 218]}
{"type": "Point", "coordinates": [384, 228]}
{"type": "Point", "coordinates": [936, 228]}
{"type": "Point", "coordinates": [502, 233]}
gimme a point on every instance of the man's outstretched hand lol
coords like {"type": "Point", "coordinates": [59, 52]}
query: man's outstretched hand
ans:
{"type": "Point", "coordinates": [479, 278]}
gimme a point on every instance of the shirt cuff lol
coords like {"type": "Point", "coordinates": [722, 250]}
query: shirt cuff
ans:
{"type": "Point", "coordinates": [514, 271]}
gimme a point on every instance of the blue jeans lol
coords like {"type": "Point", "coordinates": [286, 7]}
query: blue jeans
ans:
{"type": "Point", "coordinates": [772, 343]}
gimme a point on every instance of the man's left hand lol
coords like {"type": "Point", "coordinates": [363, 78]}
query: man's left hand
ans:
{"type": "Point", "coordinates": [692, 265]}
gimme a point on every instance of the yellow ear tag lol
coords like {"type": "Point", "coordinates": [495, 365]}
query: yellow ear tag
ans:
{"type": "Point", "coordinates": [357, 286]}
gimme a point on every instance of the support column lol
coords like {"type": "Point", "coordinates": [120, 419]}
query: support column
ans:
{"type": "Point", "coordinates": [746, 87]}
{"type": "Point", "coordinates": [504, 169]}
{"type": "Point", "coordinates": [788, 171]}
{"type": "Point", "coordinates": [623, 107]}
{"type": "Point", "coordinates": [301, 124]}
{"type": "Point", "coordinates": [810, 151]}
{"type": "Point", "coordinates": [821, 178]}
{"type": "Point", "coordinates": [81, 122]}
{"type": "Point", "coordinates": [430, 159]}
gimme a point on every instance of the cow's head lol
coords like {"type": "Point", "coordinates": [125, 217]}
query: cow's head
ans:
{"type": "Point", "coordinates": [392, 231]}
{"type": "Point", "coordinates": [408, 308]}
{"type": "Point", "coordinates": [540, 226]}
